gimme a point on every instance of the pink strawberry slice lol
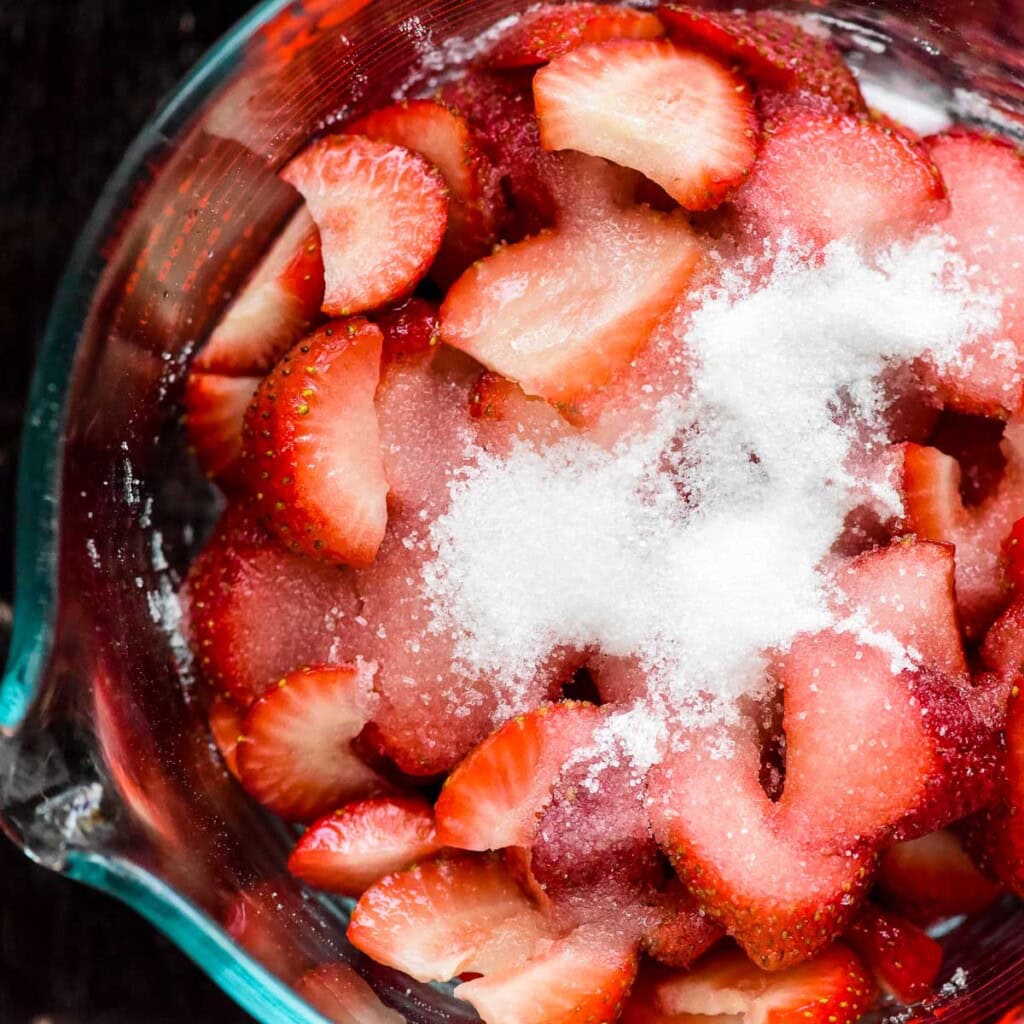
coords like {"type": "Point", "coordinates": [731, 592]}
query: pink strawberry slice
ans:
{"type": "Point", "coordinates": [771, 48]}
{"type": "Point", "coordinates": [444, 137]}
{"type": "Point", "coordinates": [447, 917]}
{"type": "Point", "coordinates": [295, 754]}
{"type": "Point", "coordinates": [494, 796]}
{"type": "Point", "coordinates": [679, 117]}
{"type": "Point", "coordinates": [349, 850]}
{"type": "Point", "coordinates": [215, 406]}
{"type": "Point", "coordinates": [382, 212]}
{"type": "Point", "coordinates": [831, 177]}
{"type": "Point", "coordinates": [341, 995]}
{"type": "Point", "coordinates": [561, 312]}
{"type": "Point", "coordinates": [225, 728]}
{"type": "Point", "coordinates": [505, 416]}
{"type": "Point", "coordinates": [549, 31]}
{"type": "Point", "coordinates": [681, 932]}
{"type": "Point", "coordinates": [583, 977]}
{"type": "Point", "coordinates": [312, 455]}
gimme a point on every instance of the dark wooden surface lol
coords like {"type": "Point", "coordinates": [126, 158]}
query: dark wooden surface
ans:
{"type": "Point", "coordinates": [77, 79]}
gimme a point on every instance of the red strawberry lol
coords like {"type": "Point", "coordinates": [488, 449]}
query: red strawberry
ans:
{"type": "Point", "coordinates": [492, 799]}
{"type": "Point", "coordinates": [446, 917]}
{"type": "Point", "coordinates": [267, 921]}
{"type": "Point", "coordinates": [226, 727]}
{"type": "Point", "coordinates": [904, 961]}
{"type": "Point", "coordinates": [410, 329]}
{"type": "Point", "coordinates": [679, 117]}
{"type": "Point", "coordinates": [381, 211]}
{"type": "Point", "coordinates": [681, 932]}
{"type": "Point", "coordinates": [347, 851]}
{"type": "Point", "coordinates": [1013, 551]}
{"type": "Point", "coordinates": [341, 995]}
{"type": "Point", "coordinates": [1002, 650]}
{"type": "Point", "coordinates": [444, 137]}
{"type": "Point", "coordinates": [549, 31]}
{"type": "Point", "coordinates": [561, 312]}
{"type": "Point", "coordinates": [295, 754]}
{"type": "Point", "coordinates": [833, 988]}
{"type": "Point", "coordinates": [274, 309]}
{"type": "Point", "coordinates": [931, 878]}
{"type": "Point", "coordinates": [583, 977]}
{"type": "Point", "coordinates": [255, 611]}
{"type": "Point", "coordinates": [312, 454]}
{"type": "Point", "coordinates": [504, 415]}
{"type": "Point", "coordinates": [215, 406]}
{"type": "Point", "coordinates": [771, 48]}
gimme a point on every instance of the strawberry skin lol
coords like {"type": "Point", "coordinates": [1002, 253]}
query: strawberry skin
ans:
{"type": "Point", "coordinates": [679, 117]}
{"type": "Point", "coordinates": [312, 456]}
{"type": "Point", "coordinates": [341, 995]}
{"type": "Point", "coordinates": [225, 728]}
{"type": "Point", "coordinates": [411, 329]}
{"type": "Point", "coordinates": [680, 932]}
{"type": "Point", "coordinates": [215, 406]}
{"type": "Point", "coordinates": [381, 211]}
{"type": "Point", "coordinates": [904, 961]}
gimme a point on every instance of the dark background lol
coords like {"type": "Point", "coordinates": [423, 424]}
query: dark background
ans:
{"type": "Point", "coordinates": [77, 80]}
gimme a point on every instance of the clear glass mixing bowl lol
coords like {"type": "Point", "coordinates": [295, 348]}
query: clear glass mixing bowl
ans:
{"type": "Point", "coordinates": [106, 770]}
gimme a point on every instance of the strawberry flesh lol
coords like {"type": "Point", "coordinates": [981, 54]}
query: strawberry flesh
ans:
{"type": "Point", "coordinates": [505, 416]}
{"type": "Point", "coordinates": [680, 932]}
{"type": "Point", "coordinates": [215, 407]}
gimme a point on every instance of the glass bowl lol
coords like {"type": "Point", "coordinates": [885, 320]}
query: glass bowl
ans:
{"type": "Point", "coordinates": [107, 772]}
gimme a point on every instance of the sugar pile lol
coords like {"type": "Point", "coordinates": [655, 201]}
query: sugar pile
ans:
{"type": "Point", "coordinates": [698, 544]}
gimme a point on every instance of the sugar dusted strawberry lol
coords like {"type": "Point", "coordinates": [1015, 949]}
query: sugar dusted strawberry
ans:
{"type": "Point", "coordinates": [504, 416]}
{"type": "Point", "coordinates": [681, 118]}
{"type": "Point", "coordinates": [295, 753]}
{"type": "Point", "coordinates": [1013, 551]}
{"type": "Point", "coordinates": [215, 406]}
{"type": "Point", "coordinates": [312, 456]}
{"type": "Point", "coordinates": [226, 727]}
{"type": "Point", "coordinates": [447, 917]}
{"type": "Point", "coordinates": [349, 850]}
{"type": "Point", "coordinates": [381, 211]}
{"type": "Point", "coordinates": [341, 995]}
{"type": "Point", "coordinates": [680, 932]}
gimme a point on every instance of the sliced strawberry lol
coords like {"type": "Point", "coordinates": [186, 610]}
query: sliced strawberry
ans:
{"type": "Point", "coordinates": [643, 1005]}
{"type": "Point", "coordinates": [267, 921]}
{"type": "Point", "coordinates": [215, 407]}
{"type": "Point", "coordinates": [824, 178]}
{"type": "Point", "coordinates": [277, 306]}
{"type": "Point", "coordinates": [446, 917]}
{"type": "Point", "coordinates": [312, 454]}
{"type": "Point", "coordinates": [381, 211]}
{"type": "Point", "coordinates": [492, 799]}
{"type": "Point", "coordinates": [505, 415]}
{"type": "Point", "coordinates": [1013, 551]}
{"type": "Point", "coordinates": [679, 117]}
{"type": "Point", "coordinates": [347, 851]}
{"type": "Point", "coordinates": [771, 48]}
{"type": "Point", "coordinates": [549, 31]}
{"type": "Point", "coordinates": [255, 611]}
{"type": "Point", "coordinates": [1002, 650]}
{"type": "Point", "coordinates": [833, 988]}
{"type": "Point", "coordinates": [931, 878]}
{"type": "Point", "coordinates": [341, 995]}
{"type": "Point", "coordinates": [560, 312]}
{"type": "Point", "coordinates": [410, 329]}
{"type": "Point", "coordinates": [295, 754]}
{"type": "Point", "coordinates": [583, 977]}
{"type": "Point", "coordinates": [681, 931]}
{"type": "Point", "coordinates": [443, 136]}
{"type": "Point", "coordinates": [904, 961]}
{"type": "Point", "coordinates": [226, 727]}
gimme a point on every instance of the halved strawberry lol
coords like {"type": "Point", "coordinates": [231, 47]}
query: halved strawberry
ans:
{"type": "Point", "coordinates": [492, 799]}
{"type": "Point", "coordinates": [903, 959]}
{"type": "Point", "coordinates": [930, 878]}
{"type": "Point", "coordinates": [382, 212]}
{"type": "Point", "coordinates": [447, 917]}
{"type": "Point", "coordinates": [215, 406]}
{"type": "Point", "coordinates": [771, 48]}
{"type": "Point", "coordinates": [267, 921]}
{"type": "Point", "coordinates": [410, 329]}
{"type": "Point", "coordinates": [560, 312]}
{"type": "Point", "coordinates": [681, 932]}
{"type": "Point", "coordinates": [833, 988]}
{"type": "Point", "coordinates": [312, 455]}
{"type": "Point", "coordinates": [504, 415]}
{"type": "Point", "coordinates": [277, 306]}
{"type": "Point", "coordinates": [347, 851]}
{"type": "Point", "coordinates": [681, 118]}
{"type": "Point", "coordinates": [341, 995]}
{"type": "Point", "coordinates": [225, 728]}
{"type": "Point", "coordinates": [549, 31]}
{"type": "Point", "coordinates": [295, 753]}
{"type": "Point", "coordinates": [443, 136]}
{"type": "Point", "coordinates": [584, 977]}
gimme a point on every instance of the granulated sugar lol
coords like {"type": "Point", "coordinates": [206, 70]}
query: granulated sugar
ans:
{"type": "Point", "coordinates": [697, 545]}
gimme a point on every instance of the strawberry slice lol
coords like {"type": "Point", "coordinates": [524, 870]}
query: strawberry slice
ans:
{"type": "Point", "coordinates": [679, 117]}
{"type": "Point", "coordinates": [931, 878]}
{"type": "Point", "coordinates": [681, 931]}
{"type": "Point", "coordinates": [447, 917]}
{"type": "Point", "coordinates": [504, 415]}
{"type": "Point", "coordinates": [225, 728]}
{"type": "Point", "coordinates": [341, 995]}
{"type": "Point", "coordinates": [904, 961]}
{"type": "Point", "coordinates": [770, 48]}
{"type": "Point", "coordinates": [295, 753]}
{"type": "Point", "coordinates": [444, 137]}
{"type": "Point", "coordinates": [254, 611]}
{"type": "Point", "coordinates": [560, 312]}
{"type": "Point", "coordinates": [381, 211]}
{"type": "Point", "coordinates": [312, 454]}
{"type": "Point", "coordinates": [215, 406]}
{"type": "Point", "coordinates": [492, 799]}
{"type": "Point", "coordinates": [584, 977]}
{"type": "Point", "coordinates": [833, 988]}
{"type": "Point", "coordinates": [277, 306]}
{"type": "Point", "coordinates": [349, 850]}
{"type": "Point", "coordinates": [549, 31]}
